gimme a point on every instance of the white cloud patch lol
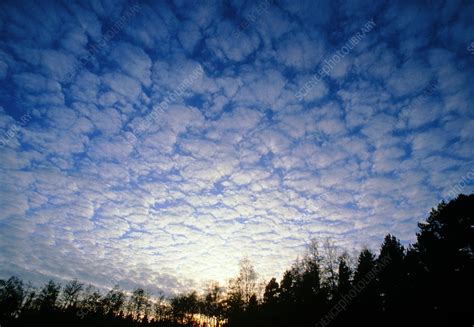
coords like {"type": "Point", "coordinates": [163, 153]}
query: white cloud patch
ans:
{"type": "Point", "coordinates": [133, 61]}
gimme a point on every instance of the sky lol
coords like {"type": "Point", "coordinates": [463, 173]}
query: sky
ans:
{"type": "Point", "coordinates": [157, 143]}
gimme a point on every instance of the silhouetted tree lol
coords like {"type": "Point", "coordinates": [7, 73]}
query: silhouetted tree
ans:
{"type": "Point", "coordinates": [445, 245]}
{"type": "Point", "coordinates": [412, 287]}
{"type": "Point", "coordinates": [390, 274]}
{"type": "Point", "coordinates": [212, 304]}
{"type": "Point", "coordinates": [139, 304]}
{"type": "Point", "coordinates": [48, 296]}
{"type": "Point", "coordinates": [71, 293]}
{"type": "Point", "coordinates": [29, 302]}
{"type": "Point", "coordinates": [184, 307]}
{"type": "Point", "coordinates": [113, 301]}
{"type": "Point", "coordinates": [367, 302]}
{"type": "Point", "coordinates": [91, 302]}
{"type": "Point", "coordinates": [344, 275]}
{"type": "Point", "coordinates": [271, 303]}
{"type": "Point", "coordinates": [245, 284]}
{"type": "Point", "coordinates": [162, 309]}
{"type": "Point", "coordinates": [272, 291]}
{"type": "Point", "coordinates": [11, 298]}
{"type": "Point", "coordinates": [329, 263]}
{"type": "Point", "coordinates": [252, 314]}
{"type": "Point", "coordinates": [240, 291]}
{"type": "Point", "coordinates": [288, 285]}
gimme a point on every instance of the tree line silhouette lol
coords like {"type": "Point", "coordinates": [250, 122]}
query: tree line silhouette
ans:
{"type": "Point", "coordinates": [430, 282]}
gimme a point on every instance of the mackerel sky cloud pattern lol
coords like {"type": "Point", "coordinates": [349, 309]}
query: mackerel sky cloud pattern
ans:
{"type": "Point", "coordinates": [236, 165]}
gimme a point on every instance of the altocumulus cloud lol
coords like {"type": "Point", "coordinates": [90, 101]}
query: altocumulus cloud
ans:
{"type": "Point", "coordinates": [236, 164]}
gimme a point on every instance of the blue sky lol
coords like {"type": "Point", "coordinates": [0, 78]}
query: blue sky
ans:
{"type": "Point", "coordinates": [157, 143]}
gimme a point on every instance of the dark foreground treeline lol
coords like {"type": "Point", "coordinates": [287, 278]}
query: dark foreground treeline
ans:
{"type": "Point", "coordinates": [430, 282]}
